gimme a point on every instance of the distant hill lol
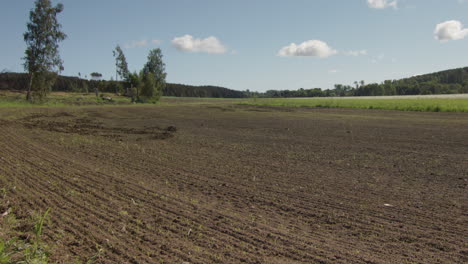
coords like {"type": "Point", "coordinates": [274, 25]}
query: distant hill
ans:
{"type": "Point", "coordinates": [19, 81]}
{"type": "Point", "coordinates": [183, 90]}
{"type": "Point", "coordinates": [448, 81]}
{"type": "Point", "coordinates": [453, 76]}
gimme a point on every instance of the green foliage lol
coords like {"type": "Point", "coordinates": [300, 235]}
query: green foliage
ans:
{"type": "Point", "coordinates": [120, 88]}
{"type": "Point", "coordinates": [111, 87]}
{"type": "Point", "coordinates": [18, 251]}
{"type": "Point", "coordinates": [18, 81]}
{"type": "Point", "coordinates": [38, 227]}
{"type": "Point", "coordinates": [148, 91]}
{"type": "Point", "coordinates": [402, 104]}
{"type": "Point", "coordinates": [155, 68]}
{"type": "Point", "coordinates": [155, 65]}
{"type": "Point", "coordinates": [120, 63]}
{"type": "Point", "coordinates": [79, 87]}
{"type": "Point", "coordinates": [182, 90]}
{"type": "Point", "coordinates": [42, 39]}
{"type": "Point", "coordinates": [134, 79]}
{"type": "Point", "coordinates": [41, 85]}
{"type": "Point", "coordinates": [446, 82]}
{"type": "Point", "coordinates": [84, 87]}
{"type": "Point", "coordinates": [96, 76]}
{"type": "Point", "coordinates": [6, 251]}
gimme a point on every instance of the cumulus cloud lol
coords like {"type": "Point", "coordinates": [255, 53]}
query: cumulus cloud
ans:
{"type": "Point", "coordinates": [450, 30]}
{"type": "Point", "coordinates": [190, 44]}
{"type": "Point", "coordinates": [156, 41]}
{"type": "Point", "coordinates": [136, 44]}
{"type": "Point", "coordinates": [355, 53]}
{"type": "Point", "coordinates": [311, 48]}
{"type": "Point", "coordinates": [382, 4]}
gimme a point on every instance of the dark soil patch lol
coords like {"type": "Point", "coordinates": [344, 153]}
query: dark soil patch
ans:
{"type": "Point", "coordinates": [71, 124]}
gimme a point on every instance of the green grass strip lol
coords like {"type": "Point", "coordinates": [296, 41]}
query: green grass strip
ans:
{"type": "Point", "coordinates": [418, 104]}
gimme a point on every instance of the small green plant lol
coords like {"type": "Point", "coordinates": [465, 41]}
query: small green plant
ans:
{"type": "Point", "coordinates": [99, 253]}
{"type": "Point", "coordinates": [6, 251]}
{"type": "Point", "coordinates": [37, 252]}
{"type": "Point", "coordinates": [19, 251]}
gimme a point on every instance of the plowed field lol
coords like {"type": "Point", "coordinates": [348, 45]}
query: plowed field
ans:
{"type": "Point", "coordinates": [239, 184]}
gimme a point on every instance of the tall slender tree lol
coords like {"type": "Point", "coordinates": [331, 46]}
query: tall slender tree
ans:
{"type": "Point", "coordinates": [42, 59]}
{"type": "Point", "coordinates": [120, 64]}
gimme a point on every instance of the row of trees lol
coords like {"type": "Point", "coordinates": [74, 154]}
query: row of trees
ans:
{"type": "Point", "coordinates": [19, 81]}
{"type": "Point", "coordinates": [444, 82]}
{"type": "Point", "coordinates": [182, 90]}
{"type": "Point", "coordinates": [43, 63]}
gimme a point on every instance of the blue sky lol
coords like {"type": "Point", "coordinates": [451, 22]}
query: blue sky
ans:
{"type": "Point", "coordinates": [246, 44]}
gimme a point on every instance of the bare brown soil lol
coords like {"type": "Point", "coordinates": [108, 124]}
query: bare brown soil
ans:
{"type": "Point", "coordinates": [239, 184]}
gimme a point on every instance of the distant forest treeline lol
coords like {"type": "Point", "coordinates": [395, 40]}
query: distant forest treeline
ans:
{"type": "Point", "coordinates": [19, 81]}
{"type": "Point", "coordinates": [444, 82]}
{"type": "Point", "coordinates": [182, 90]}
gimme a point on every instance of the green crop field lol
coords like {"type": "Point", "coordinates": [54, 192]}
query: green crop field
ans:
{"type": "Point", "coordinates": [423, 104]}
{"type": "Point", "coordinates": [442, 103]}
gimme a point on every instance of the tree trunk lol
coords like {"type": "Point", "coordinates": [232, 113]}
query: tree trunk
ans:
{"type": "Point", "coordinates": [131, 91]}
{"type": "Point", "coordinates": [116, 83]}
{"type": "Point", "coordinates": [28, 95]}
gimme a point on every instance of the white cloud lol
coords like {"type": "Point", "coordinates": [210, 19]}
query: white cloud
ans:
{"type": "Point", "coordinates": [378, 58]}
{"type": "Point", "coordinates": [355, 52]}
{"type": "Point", "coordinates": [190, 44]}
{"type": "Point", "coordinates": [136, 44]}
{"type": "Point", "coordinates": [311, 48]}
{"type": "Point", "coordinates": [333, 71]}
{"type": "Point", "coordinates": [450, 30]}
{"type": "Point", "coordinates": [382, 4]}
{"type": "Point", "coordinates": [141, 43]}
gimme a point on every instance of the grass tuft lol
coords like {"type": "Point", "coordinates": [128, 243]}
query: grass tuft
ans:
{"type": "Point", "coordinates": [16, 250]}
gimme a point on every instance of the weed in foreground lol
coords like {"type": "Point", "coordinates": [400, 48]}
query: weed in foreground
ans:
{"type": "Point", "coordinates": [24, 251]}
